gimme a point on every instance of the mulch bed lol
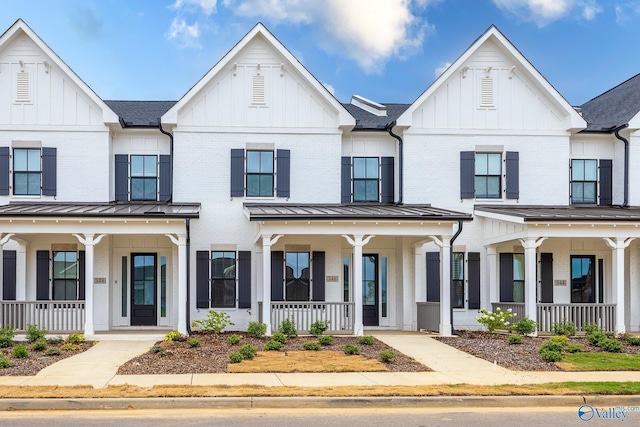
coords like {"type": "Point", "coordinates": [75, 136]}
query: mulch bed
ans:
{"type": "Point", "coordinates": [37, 360]}
{"type": "Point", "coordinates": [212, 356]}
{"type": "Point", "coordinates": [519, 357]}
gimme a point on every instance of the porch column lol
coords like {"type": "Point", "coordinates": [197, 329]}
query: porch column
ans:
{"type": "Point", "coordinates": [530, 245]}
{"type": "Point", "coordinates": [492, 277]}
{"type": "Point", "coordinates": [358, 241]}
{"type": "Point", "coordinates": [443, 242]}
{"type": "Point", "coordinates": [180, 241]}
{"type": "Point", "coordinates": [617, 266]}
{"type": "Point", "coordinates": [21, 270]}
{"type": "Point", "coordinates": [419, 277]}
{"type": "Point", "coordinates": [89, 242]}
{"type": "Point", "coordinates": [267, 242]}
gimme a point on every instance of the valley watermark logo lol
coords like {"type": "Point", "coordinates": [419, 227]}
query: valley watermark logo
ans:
{"type": "Point", "coordinates": [587, 412]}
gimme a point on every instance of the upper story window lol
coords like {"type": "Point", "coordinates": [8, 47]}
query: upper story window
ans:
{"type": "Point", "coordinates": [589, 175]}
{"type": "Point", "coordinates": [142, 177]}
{"type": "Point", "coordinates": [27, 171]}
{"type": "Point", "coordinates": [488, 175]}
{"type": "Point", "coordinates": [482, 177]}
{"type": "Point", "coordinates": [367, 179]}
{"type": "Point", "coordinates": [257, 173]}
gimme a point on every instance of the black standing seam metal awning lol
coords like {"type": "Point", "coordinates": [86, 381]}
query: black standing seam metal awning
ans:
{"type": "Point", "coordinates": [565, 213]}
{"type": "Point", "coordinates": [101, 210]}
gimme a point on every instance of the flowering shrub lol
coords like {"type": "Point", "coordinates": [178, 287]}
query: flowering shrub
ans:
{"type": "Point", "coordinates": [493, 321]}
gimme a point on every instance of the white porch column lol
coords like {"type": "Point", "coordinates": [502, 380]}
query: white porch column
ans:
{"type": "Point", "coordinates": [89, 242]}
{"type": "Point", "coordinates": [358, 241]}
{"type": "Point", "coordinates": [492, 277]}
{"type": "Point", "coordinates": [267, 242]}
{"type": "Point", "coordinates": [419, 277]}
{"type": "Point", "coordinates": [443, 242]}
{"type": "Point", "coordinates": [530, 245]}
{"type": "Point", "coordinates": [617, 265]}
{"type": "Point", "coordinates": [21, 270]}
{"type": "Point", "coordinates": [181, 242]}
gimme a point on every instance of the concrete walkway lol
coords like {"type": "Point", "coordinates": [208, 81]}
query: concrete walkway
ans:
{"type": "Point", "coordinates": [97, 367]}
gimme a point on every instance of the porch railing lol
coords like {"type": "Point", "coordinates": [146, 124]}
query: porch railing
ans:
{"type": "Point", "coordinates": [339, 315]}
{"type": "Point", "coordinates": [517, 308]}
{"type": "Point", "coordinates": [428, 316]}
{"type": "Point", "coordinates": [54, 316]}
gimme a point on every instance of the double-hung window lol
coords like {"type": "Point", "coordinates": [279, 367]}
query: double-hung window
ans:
{"type": "Point", "coordinates": [483, 176]}
{"type": "Point", "coordinates": [584, 181]}
{"type": "Point", "coordinates": [259, 173]}
{"type": "Point", "coordinates": [488, 175]}
{"type": "Point", "coordinates": [27, 172]}
{"type": "Point", "coordinates": [65, 275]}
{"type": "Point", "coordinates": [366, 179]}
{"type": "Point", "coordinates": [223, 279]}
{"type": "Point", "coordinates": [458, 279]}
{"type": "Point", "coordinates": [144, 177]}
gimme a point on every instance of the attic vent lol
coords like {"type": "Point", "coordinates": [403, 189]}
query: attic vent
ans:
{"type": "Point", "coordinates": [23, 87]}
{"type": "Point", "coordinates": [258, 90]}
{"type": "Point", "coordinates": [486, 92]}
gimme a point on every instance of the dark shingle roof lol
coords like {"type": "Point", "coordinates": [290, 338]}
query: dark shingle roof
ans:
{"type": "Point", "coordinates": [368, 121]}
{"type": "Point", "coordinates": [613, 108]}
{"type": "Point", "coordinates": [112, 209]}
{"type": "Point", "coordinates": [140, 113]}
{"type": "Point", "coordinates": [565, 213]}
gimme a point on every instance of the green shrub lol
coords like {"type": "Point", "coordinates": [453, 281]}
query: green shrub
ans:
{"type": "Point", "coordinates": [70, 347]}
{"type": "Point", "coordinates": [351, 349]}
{"type": "Point", "coordinates": [273, 345]}
{"type": "Point", "coordinates": [257, 329]}
{"type": "Point", "coordinates": [76, 338]}
{"type": "Point", "coordinates": [20, 352]}
{"type": "Point", "coordinates": [632, 340]}
{"type": "Point", "coordinates": [193, 342]}
{"type": "Point", "coordinates": [564, 328]}
{"type": "Point", "coordinates": [288, 327]}
{"type": "Point", "coordinates": [34, 333]}
{"type": "Point", "coordinates": [525, 326]}
{"type": "Point", "coordinates": [325, 339]}
{"type": "Point", "coordinates": [550, 355]}
{"type": "Point", "coordinates": [236, 357]}
{"type": "Point", "coordinates": [492, 321]}
{"type": "Point", "coordinates": [6, 336]}
{"type": "Point", "coordinates": [215, 322]}
{"type": "Point", "coordinates": [386, 356]}
{"type": "Point", "coordinates": [173, 336]}
{"type": "Point", "coordinates": [514, 339]}
{"type": "Point", "coordinates": [234, 339]}
{"type": "Point", "coordinates": [55, 340]}
{"type": "Point", "coordinates": [590, 328]}
{"type": "Point", "coordinates": [573, 348]}
{"type": "Point", "coordinates": [596, 337]}
{"type": "Point", "coordinates": [157, 349]}
{"type": "Point", "coordinates": [311, 345]}
{"type": "Point", "coordinates": [52, 351]}
{"type": "Point", "coordinates": [279, 337]}
{"type": "Point", "coordinates": [39, 345]}
{"type": "Point", "coordinates": [319, 327]}
{"type": "Point", "coordinates": [4, 362]}
{"type": "Point", "coordinates": [610, 345]}
{"type": "Point", "coordinates": [247, 351]}
{"type": "Point", "coordinates": [366, 340]}
{"type": "Point", "coordinates": [562, 339]}
{"type": "Point", "coordinates": [552, 346]}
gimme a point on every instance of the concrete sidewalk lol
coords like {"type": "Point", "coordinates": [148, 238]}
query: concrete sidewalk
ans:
{"type": "Point", "coordinates": [97, 367]}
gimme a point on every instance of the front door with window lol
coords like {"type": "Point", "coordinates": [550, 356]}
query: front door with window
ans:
{"type": "Point", "coordinates": [144, 307]}
{"type": "Point", "coordinates": [370, 290]}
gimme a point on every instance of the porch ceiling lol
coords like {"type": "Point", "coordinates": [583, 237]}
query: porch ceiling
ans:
{"type": "Point", "coordinates": [146, 210]}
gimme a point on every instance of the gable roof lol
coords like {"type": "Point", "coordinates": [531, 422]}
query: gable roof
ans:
{"type": "Point", "coordinates": [614, 108]}
{"type": "Point", "coordinates": [108, 116]}
{"type": "Point", "coordinates": [492, 33]}
{"type": "Point", "coordinates": [259, 29]}
{"type": "Point", "coordinates": [140, 113]}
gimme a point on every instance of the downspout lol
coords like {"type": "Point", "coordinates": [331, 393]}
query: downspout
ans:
{"type": "Point", "coordinates": [626, 164]}
{"type": "Point", "coordinates": [389, 128]}
{"type": "Point", "coordinates": [170, 135]}
{"type": "Point", "coordinates": [453, 239]}
{"type": "Point", "coordinates": [188, 312]}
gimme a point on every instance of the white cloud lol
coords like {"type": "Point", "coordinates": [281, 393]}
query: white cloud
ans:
{"type": "Point", "coordinates": [441, 69]}
{"type": "Point", "coordinates": [208, 6]}
{"type": "Point", "coordinates": [543, 12]}
{"type": "Point", "coordinates": [625, 12]}
{"type": "Point", "coordinates": [185, 35]}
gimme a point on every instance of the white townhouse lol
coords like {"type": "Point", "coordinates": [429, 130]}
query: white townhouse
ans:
{"type": "Point", "coordinates": [261, 195]}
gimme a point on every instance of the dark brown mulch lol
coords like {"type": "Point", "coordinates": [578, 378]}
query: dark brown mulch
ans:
{"type": "Point", "coordinates": [519, 357]}
{"type": "Point", "coordinates": [212, 356]}
{"type": "Point", "coordinates": [37, 360]}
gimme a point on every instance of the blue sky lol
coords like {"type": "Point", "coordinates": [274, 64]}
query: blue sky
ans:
{"type": "Point", "coordinates": [384, 50]}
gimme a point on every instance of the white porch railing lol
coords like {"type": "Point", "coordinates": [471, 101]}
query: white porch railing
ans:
{"type": "Point", "coordinates": [428, 316]}
{"type": "Point", "coordinates": [517, 308]}
{"type": "Point", "coordinates": [339, 315]}
{"type": "Point", "coordinates": [603, 315]}
{"type": "Point", "coordinates": [54, 316]}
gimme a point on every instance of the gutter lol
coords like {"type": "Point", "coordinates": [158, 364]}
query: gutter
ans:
{"type": "Point", "coordinates": [187, 222]}
{"type": "Point", "coordinates": [453, 239]}
{"type": "Point", "coordinates": [626, 162]}
{"type": "Point", "coordinates": [389, 128]}
{"type": "Point", "coordinates": [170, 135]}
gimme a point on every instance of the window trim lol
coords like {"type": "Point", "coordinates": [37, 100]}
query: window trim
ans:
{"type": "Point", "coordinates": [595, 182]}
{"type": "Point", "coordinates": [366, 179]}
{"type": "Point", "coordinates": [309, 275]}
{"type": "Point", "coordinates": [27, 172]}
{"type": "Point", "coordinates": [143, 177]}
{"type": "Point", "coordinates": [460, 282]}
{"type": "Point", "coordinates": [594, 278]}
{"type": "Point", "coordinates": [260, 173]}
{"type": "Point", "coordinates": [488, 176]}
{"type": "Point", "coordinates": [55, 279]}
{"type": "Point", "coordinates": [212, 278]}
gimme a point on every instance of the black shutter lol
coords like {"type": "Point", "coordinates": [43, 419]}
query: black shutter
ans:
{"type": "Point", "coordinates": [546, 277]}
{"type": "Point", "coordinates": [244, 279]}
{"type": "Point", "coordinates": [433, 276]}
{"type": "Point", "coordinates": [9, 275]}
{"type": "Point", "coordinates": [42, 275]}
{"type": "Point", "coordinates": [283, 184]}
{"type": "Point", "coordinates": [122, 178]}
{"type": "Point", "coordinates": [474, 280]}
{"type": "Point", "coordinates": [318, 276]}
{"type": "Point", "coordinates": [202, 279]}
{"type": "Point", "coordinates": [237, 172]}
{"type": "Point", "coordinates": [467, 174]}
{"type": "Point", "coordinates": [506, 277]}
{"type": "Point", "coordinates": [345, 194]}
{"type": "Point", "coordinates": [81, 275]}
{"type": "Point", "coordinates": [606, 182]}
{"type": "Point", "coordinates": [4, 171]}
{"type": "Point", "coordinates": [277, 276]}
{"type": "Point", "coordinates": [165, 178]}
{"type": "Point", "coordinates": [387, 174]}
{"type": "Point", "coordinates": [513, 175]}
{"type": "Point", "coordinates": [48, 171]}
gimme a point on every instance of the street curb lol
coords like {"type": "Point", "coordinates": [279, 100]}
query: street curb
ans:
{"type": "Point", "coordinates": [315, 402]}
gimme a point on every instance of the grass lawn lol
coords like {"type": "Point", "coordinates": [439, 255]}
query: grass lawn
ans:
{"type": "Point", "coordinates": [600, 362]}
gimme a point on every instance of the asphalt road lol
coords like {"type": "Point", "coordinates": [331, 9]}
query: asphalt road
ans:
{"type": "Point", "coordinates": [370, 417]}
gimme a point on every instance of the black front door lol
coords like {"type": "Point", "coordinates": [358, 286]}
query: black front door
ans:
{"type": "Point", "coordinates": [144, 306]}
{"type": "Point", "coordinates": [370, 290]}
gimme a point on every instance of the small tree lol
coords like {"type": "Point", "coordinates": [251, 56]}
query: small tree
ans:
{"type": "Point", "coordinates": [215, 322]}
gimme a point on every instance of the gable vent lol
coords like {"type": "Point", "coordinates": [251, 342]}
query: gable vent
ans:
{"type": "Point", "coordinates": [486, 92]}
{"type": "Point", "coordinates": [258, 90]}
{"type": "Point", "coordinates": [23, 87]}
